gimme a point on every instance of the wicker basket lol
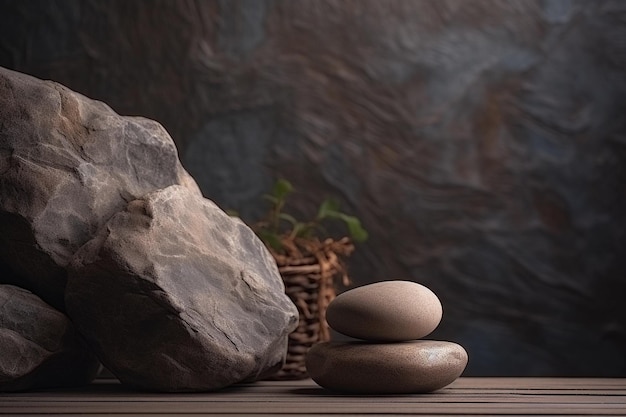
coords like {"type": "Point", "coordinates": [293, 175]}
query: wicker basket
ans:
{"type": "Point", "coordinates": [309, 269]}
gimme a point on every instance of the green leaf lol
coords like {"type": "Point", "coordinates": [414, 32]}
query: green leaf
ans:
{"type": "Point", "coordinates": [289, 218]}
{"type": "Point", "coordinates": [282, 188]}
{"type": "Point", "coordinates": [357, 232]}
{"type": "Point", "coordinates": [300, 229]}
{"type": "Point", "coordinates": [327, 209]}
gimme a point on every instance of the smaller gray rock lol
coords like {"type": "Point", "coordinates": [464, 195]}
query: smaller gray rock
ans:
{"type": "Point", "coordinates": [39, 347]}
{"type": "Point", "coordinates": [389, 311]}
{"type": "Point", "coordinates": [386, 368]}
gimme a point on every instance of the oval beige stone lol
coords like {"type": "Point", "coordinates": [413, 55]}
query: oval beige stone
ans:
{"type": "Point", "coordinates": [386, 311]}
{"type": "Point", "coordinates": [386, 368]}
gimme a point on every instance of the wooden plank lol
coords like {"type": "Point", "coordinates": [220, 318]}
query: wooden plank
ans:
{"type": "Point", "coordinates": [467, 396]}
{"type": "Point", "coordinates": [278, 408]}
{"type": "Point", "coordinates": [534, 398]}
{"type": "Point", "coordinates": [450, 397]}
{"type": "Point", "coordinates": [307, 386]}
{"type": "Point", "coordinates": [538, 383]}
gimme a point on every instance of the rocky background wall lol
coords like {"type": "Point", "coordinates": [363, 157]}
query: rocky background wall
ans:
{"type": "Point", "coordinates": [482, 143]}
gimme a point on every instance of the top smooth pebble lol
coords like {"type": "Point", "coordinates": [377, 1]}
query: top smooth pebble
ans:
{"type": "Point", "coordinates": [388, 311]}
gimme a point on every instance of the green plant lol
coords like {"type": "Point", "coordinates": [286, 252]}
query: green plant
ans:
{"type": "Point", "coordinates": [280, 226]}
{"type": "Point", "coordinates": [310, 263]}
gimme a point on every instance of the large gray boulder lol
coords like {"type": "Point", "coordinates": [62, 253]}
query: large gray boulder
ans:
{"type": "Point", "coordinates": [39, 347]}
{"type": "Point", "coordinates": [175, 295]}
{"type": "Point", "coordinates": [67, 164]}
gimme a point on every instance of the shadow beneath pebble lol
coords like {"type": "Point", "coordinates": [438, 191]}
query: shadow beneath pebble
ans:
{"type": "Point", "coordinates": [313, 391]}
{"type": "Point", "coordinates": [322, 392]}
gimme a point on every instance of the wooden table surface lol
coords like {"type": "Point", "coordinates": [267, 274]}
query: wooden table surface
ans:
{"type": "Point", "coordinates": [466, 396]}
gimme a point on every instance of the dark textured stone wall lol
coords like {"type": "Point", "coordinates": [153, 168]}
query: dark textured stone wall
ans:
{"type": "Point", "coordinates": [482, 143]}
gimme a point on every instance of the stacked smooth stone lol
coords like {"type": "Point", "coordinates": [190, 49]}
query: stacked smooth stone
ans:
{"type": "Point", "coordinates": [390, 318]}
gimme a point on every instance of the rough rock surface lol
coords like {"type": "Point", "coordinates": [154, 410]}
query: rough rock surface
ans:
{"type": "Point", "coordinates": [386, 368]}
{"type": "Point", "coordinates": [386, 311]}
{"type": "Point", "coordinates": [68, 163]}
{"type": "Point", "coordinates": [175, 295]}
{"type": "Point", "coordinates": [39, 347]}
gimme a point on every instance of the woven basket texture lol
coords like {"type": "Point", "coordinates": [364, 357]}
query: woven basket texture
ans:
{"type": "Point", "coordinates": [310, 269]}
